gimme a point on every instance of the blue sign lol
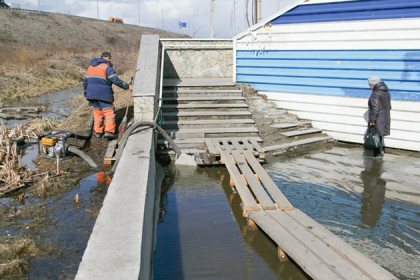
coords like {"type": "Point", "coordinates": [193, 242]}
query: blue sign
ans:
{"type": "Point", "coordinates": [182, 24]}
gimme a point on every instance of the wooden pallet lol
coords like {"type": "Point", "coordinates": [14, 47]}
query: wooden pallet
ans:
{"type": "Point", "coordinates": [320, 253]}
{"type": "Point", "coordinates": [214, 147]}
{"type": "Point", "coordinates": [110, 152]}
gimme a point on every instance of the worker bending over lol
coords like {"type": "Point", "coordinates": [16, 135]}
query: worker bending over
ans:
{"type": "Point", "coordinates": [97, 86]}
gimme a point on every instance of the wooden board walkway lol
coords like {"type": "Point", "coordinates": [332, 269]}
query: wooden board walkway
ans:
{"type": "Point", "coordinates": [321, 254]}
{"type": "Point", "coordinates": [214, 146]}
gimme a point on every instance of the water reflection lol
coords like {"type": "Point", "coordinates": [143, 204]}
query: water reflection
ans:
{"type": "Point", "coordinates": [374, 188]}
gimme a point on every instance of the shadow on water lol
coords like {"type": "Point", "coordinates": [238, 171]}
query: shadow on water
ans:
{"type": "Point", "coordinates": [374, 188]}
{"type": "Point", "coordinates": [168, 255]}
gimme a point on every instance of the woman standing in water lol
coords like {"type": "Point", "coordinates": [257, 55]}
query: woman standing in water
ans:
{"type": "Point", "coordinates": [379, 111]}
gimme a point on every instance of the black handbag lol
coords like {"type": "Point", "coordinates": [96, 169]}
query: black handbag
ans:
{"type": "Point", "coordinates": [372, 140]}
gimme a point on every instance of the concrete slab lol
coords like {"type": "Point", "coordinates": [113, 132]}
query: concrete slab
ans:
{"type": "Point", "coordinates": [198, 82]}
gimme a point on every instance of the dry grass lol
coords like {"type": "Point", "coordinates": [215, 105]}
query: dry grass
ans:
{"type": "Point", "coordinates": [14, 255]}
{"type": "Point", "coordinates": [28, 72]}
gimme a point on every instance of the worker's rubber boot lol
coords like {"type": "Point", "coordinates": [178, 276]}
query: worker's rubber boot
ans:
{"type": "Point", "coordinates": [110, 135]}
{"type": "Point", "coordinates": [97, 135]}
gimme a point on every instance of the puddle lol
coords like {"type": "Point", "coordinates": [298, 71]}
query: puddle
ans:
{"type": "Point", "coordinates": [56, 105]}
{"type": "Point", "coordinates": [373, 205]}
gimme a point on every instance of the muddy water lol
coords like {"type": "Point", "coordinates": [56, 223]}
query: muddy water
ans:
{"type": "Point", "coordinates": [371, 204]}
{"type": "Point", "coordinates": [56, 105]}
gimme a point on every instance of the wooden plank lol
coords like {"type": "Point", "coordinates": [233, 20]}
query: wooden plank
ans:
{"type": "Point", "coordinates": [352, 255]}
{"type": "Point", "coordinates": [256, 145]}
{"type": "Point", "coordinates": [206, 159]}
{"type": "Point", "coordinates": [248, 145]}
{"type": "Point", "coordinates": [109, 154]}
{"type": "Point", "coordinates": [208, 143]}
{"type": "Point", "coordinates": [306, 259]}
{"type": "Point", "coordinates": [280, 199]}
{"type": "Point", "coordinates": [254, 184]}
{"type": "Point", "coordinates": [236, 144]}
{"type": "Point", "coordinates": [248, 200]}
{"type": "Point", "coordinates": [217, 146]}
{"type": "Point", "coordinates": [226, 145]}
{"type": "Point", "coordinates": [334, 260]}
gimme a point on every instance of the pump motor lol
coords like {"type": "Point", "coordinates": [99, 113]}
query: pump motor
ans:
{"type": "Point", "coordinates": [54, 143]}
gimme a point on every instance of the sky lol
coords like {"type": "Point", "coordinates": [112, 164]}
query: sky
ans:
{"type": "Point", "coordinates": [229, 17]}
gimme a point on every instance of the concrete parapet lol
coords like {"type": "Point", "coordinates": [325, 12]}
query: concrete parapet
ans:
{"type": "Point", "coordinates": [122, 241]}
{"type": "Point", "coordinates": [198, 58]}
{"type": "Point", "coordinates": [147, 86]}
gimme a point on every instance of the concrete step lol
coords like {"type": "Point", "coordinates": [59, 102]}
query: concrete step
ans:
{"type": "Point", "coordinates": [198, 82]}
{"type": "Point", "coordinates": [208, 123]}
{"type": "Point", "coordinates": [301, 132]}
{"type": "Point", "coordinates": [206, 115]}
{"type": "Point", "coordinates": [214, 132]}
{"type": "Point", "coordinates": [204, 106]}
{"type": "Point", "coordinates": [201, 93]}
{"type": "Point", "coordinates": [285, 146]}
{"type": "Point", "coordinates": [197, 98]}
{"type": "Point", "coordinates": [289, 125]}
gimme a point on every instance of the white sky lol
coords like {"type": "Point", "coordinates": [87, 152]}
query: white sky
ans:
{"type": "Point", "coordinates": [164, 14]}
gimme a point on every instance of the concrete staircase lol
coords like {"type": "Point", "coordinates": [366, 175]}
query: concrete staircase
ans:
{"type": "Point", "coordinates": [194, 113]}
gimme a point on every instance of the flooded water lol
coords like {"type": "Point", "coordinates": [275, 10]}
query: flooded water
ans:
{"type": "Point", "coordinates": [374, 205]}
{"type": "Point", "coordinates": [56, 105]}
{"type": "Point", "coordinates": [59, 226]}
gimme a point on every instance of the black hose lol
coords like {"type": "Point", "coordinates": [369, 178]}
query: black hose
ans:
{"type": "Point", "coordinates": [84, 156]}
{"type": "Point", "coordinates": [132, 127]}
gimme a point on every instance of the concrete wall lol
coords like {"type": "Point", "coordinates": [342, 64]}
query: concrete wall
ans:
{"type": "Point", "coordinates": [123, 239]}
{"type": "Point", "coordinates": [198, 58]}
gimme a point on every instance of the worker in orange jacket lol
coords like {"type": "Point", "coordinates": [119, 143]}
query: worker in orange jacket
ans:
{"type": "Point", "coordinates": [97, 86]}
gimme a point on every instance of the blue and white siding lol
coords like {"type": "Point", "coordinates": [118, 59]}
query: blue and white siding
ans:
{"type": "Point", "coordinates": [315, 61]}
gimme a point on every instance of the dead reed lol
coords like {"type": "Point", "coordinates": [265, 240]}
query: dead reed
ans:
{"type": "Point", "coordinates": [13, 175]}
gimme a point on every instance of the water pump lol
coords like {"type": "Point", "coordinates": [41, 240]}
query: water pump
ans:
{"type": "Point", "coordinates": [54, 143]}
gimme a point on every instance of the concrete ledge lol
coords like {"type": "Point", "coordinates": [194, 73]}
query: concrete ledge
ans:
{"type": "Point", "coordinates": [198, 82]}
{"type": "Point", "coordinates": [122, 241]}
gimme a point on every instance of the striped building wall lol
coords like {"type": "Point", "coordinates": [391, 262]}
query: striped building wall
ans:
{"type": "Point", "coordinates": [315, 59]}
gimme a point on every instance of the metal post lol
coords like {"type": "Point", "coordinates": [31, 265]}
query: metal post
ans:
{"type": "Point", "coordinates": [39, 6]}
{"type": "Point", "coordinates": [212, 20]}
{"type": "Point", "coordinates": [97, 9]}
{"type": "Point", "coordinates": [257, 4]}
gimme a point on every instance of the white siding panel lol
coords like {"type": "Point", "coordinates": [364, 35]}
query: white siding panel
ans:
{"type": "Point", "coordinates": [342, 117]}
{"type": "Point", "coordinates": [343, 35]}
{"type": "Point", "coordinates": [397, 105]}
{"type": "Point", "coordinates": [343, 110]}
{"type": "Point", "coordinates": [348, 45]}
